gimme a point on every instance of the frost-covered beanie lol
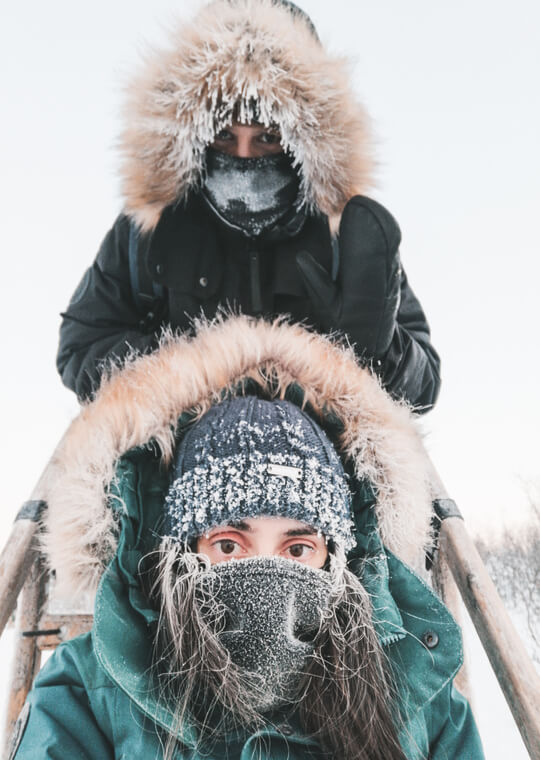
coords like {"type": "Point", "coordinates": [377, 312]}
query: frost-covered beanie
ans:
{"type": "Point", "coordinates": [247, 457]}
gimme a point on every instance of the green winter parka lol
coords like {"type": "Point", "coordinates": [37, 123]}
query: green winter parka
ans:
{"type": "Point", "coordinates": [93, 699]}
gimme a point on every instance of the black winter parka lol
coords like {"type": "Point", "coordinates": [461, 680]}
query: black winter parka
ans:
{"type": "Point", "coordinates": [197, 266]}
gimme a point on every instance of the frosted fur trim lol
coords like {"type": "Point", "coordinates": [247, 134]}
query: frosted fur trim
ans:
{"type": "Point", "coordinates": [143, 400]}
{"type": "Point", "coordinates": [233, 54]}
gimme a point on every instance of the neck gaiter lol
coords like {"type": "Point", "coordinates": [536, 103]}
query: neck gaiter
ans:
{"type": "Point", "coordinates": [250, 194]}
{"type": "Point", "coordinates": [273, 612]}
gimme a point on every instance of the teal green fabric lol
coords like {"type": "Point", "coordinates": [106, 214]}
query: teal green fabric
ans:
{"type": "Point", "coordinates": [94, 700]}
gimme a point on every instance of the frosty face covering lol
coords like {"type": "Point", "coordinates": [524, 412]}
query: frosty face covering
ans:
{"type": "Point", "coordinates": [250, 194]}
{"type": "Point", "coordinates": [273, 612]}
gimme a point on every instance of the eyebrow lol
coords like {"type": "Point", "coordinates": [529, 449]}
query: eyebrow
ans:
{"type": "Point", "coordinates": [307, 530]}
{"type": "Point", "coordinates": [237, 525]}
{"type": "Point", "coordinates": [241, 525]}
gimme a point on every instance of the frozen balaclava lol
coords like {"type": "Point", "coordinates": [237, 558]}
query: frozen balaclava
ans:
{"type": "Point", "coordinates": [246, 458]}
{"type": "Point", "coordinates": [250, 195]}
{"type": "Point", "coordinates": [253, 195]}
{"type": "Point", "coordinates": [274, 608]}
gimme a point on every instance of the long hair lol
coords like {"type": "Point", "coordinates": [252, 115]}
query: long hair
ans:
{"type": "Point", "coordinates": [348, 698]}
{"type": "Point", "coordinates": [345, 698]}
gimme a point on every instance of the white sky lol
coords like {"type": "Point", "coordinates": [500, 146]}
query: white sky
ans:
{"type": "Point", "coordinates": [453, 91]}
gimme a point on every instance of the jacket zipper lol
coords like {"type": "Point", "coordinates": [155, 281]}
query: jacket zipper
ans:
{"type": "Point", "coordinates": [255, 282]}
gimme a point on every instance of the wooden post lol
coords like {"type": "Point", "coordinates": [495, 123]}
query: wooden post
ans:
{"type": "Point", "coordinates": [16, 558]}
{"type": "Point", "coordinates": [514, 669]}
{"type": "Point", "coordinates": [512, 665]}
{"type": "Point", "coordinates": [15, 562]}
{"type": "Point", "coordinates": [58, 628]}
{"type": "Point", "coordinates": [27, 656]}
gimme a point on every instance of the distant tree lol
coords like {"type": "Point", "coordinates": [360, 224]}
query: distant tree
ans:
{"type": "Point", "coordinates": [513, 561]}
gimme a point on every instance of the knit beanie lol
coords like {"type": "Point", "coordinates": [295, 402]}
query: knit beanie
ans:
{"type": "Point", "coordinates": [247, 457]}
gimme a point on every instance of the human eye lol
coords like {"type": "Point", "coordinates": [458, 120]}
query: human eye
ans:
{"type": "Point", "coordinates": [270, 138]}
{"type": "Point", "coordinates": [299, 551]}
{"type": "Point", "coordinates": [227, 546]}
{"type": "Point", "coordinates": [224, 135]}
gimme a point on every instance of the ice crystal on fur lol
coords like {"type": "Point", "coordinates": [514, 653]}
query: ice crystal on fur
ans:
{"type": "Point", "coordinates": [243, 60]}
{"type": "Point", "coordinates": [380, 437]}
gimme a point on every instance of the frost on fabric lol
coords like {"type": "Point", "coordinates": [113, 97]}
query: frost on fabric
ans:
{"type": "Point", "coordinates": [258, 191]}
{"type": "Point", "coordinates": [250, 193]}
{"type": "Point", "coordinates": [217, 487]}
{"type": "Point", "coordinates": [274, 609]}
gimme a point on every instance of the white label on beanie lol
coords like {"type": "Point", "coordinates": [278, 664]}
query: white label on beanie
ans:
{"type": "Point", "coordinates": [295, 473]}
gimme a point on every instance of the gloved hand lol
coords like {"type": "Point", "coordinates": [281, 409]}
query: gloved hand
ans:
{"type": "Point", "coordinates": [364, 300]}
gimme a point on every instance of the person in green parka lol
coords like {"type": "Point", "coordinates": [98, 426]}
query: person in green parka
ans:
{"type": "Point", "coordinates": [249, 504]}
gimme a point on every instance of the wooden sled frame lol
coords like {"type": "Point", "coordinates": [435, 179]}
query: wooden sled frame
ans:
{"type": "Point", "coordinates": [457, 570]}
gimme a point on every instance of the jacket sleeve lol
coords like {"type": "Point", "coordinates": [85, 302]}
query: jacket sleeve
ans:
{"type": "Point", "coordinates": [102, 322]}
{"type": "Point", "coordinates": [410, 368]}
{"type": "Point", "coordinates": [369, 299]}
{"type": "Point", "coordinates": [453, 732]}
{"type": "Point", "coordinates": [57, 721]}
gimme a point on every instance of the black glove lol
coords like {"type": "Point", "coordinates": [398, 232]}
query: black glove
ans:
{"type": "Point", "coordinates": [364, 300]}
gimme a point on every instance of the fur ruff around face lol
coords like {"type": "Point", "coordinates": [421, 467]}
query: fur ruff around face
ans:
{"type": "Point", "coordinates": [142, 401]}
{"type": "Point", "coordinates": [254, 60]}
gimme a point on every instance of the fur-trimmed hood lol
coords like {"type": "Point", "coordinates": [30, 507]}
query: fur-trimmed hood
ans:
{"type": "Point", "coordinates": [142, 401]}
{"type": "Point", "coordinates": [257, 59]}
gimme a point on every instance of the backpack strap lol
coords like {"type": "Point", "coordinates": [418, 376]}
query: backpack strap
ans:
{"type": "Point", "coordinates": [145, 291]}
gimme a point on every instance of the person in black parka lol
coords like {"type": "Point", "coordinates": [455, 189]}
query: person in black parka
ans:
{"type": "Point", "coordinates": [246, 164]}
